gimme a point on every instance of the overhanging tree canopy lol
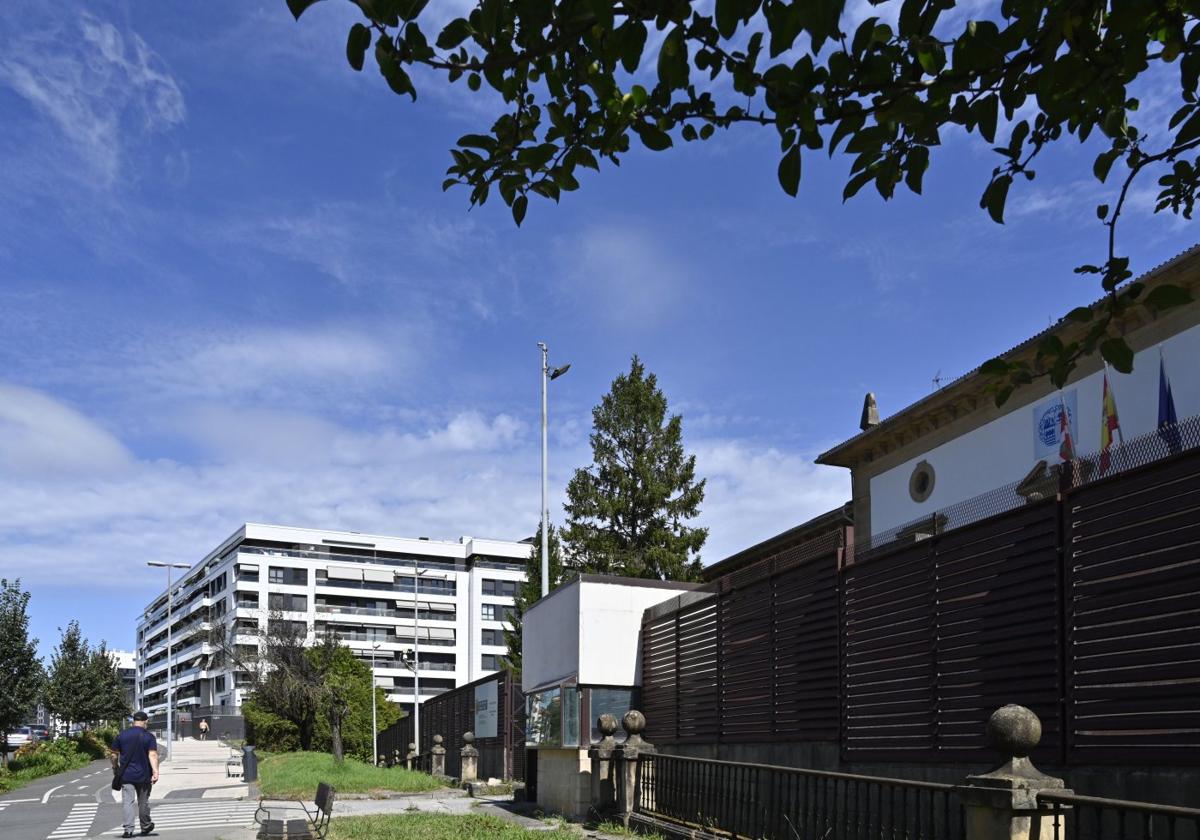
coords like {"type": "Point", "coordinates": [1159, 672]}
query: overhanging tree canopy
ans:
{"type": "Point", "coordinates": [579, 80]}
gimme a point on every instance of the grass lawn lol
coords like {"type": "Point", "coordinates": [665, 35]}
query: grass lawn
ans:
{"type": "Point", "coordinates": [297, 775]}
{"type": "Point", "coordinates": [437, 827]}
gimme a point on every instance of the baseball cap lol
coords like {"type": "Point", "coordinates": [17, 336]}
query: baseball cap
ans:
{"type": "Point", "coordinates": [140, 715]}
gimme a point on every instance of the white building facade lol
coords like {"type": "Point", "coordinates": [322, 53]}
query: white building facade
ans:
{"type": "Point", "coordinates": [358, 587]}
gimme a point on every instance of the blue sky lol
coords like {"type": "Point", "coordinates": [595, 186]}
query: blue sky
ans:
{"type": "Point", "coordinates": [232, 289]}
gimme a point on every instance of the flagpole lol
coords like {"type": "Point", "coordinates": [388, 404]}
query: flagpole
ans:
{"type": "Point", "coordinates": [1113, 391]}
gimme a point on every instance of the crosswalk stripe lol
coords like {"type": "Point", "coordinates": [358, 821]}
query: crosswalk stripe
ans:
{"type": "Point", "coordinates": [77, 822]}
{"type": "Point", "coordinates": [181, 816]}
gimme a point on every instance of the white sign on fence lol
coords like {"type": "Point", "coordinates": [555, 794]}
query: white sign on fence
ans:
{"type": "Point", "coordinates": [487, 710]}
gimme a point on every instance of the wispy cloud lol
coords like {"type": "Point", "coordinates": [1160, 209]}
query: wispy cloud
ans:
{"type": "Point", "coordinates": [97, 85]}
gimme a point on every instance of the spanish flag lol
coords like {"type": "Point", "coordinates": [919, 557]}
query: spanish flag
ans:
{"type": "Point", "coordinates": [1109, 424]}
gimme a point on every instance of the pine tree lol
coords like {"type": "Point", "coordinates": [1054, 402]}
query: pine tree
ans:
{"type": "Point", "coordinates": [67, 692]}
{"type": "Point", "coordinates": [529, 591]}
{"type": "Point", "coordinates": [109, 703]}
{"type": "Point", "coordinates": [20, 668]}
{"type": "Point", "coordinates": [627, 514]}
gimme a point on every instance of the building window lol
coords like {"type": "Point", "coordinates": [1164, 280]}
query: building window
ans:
{"type": "Point", "coordinates": [217, 584]}
{"type": "Point", "coordinates": [501, 588]}
{"type": "Point", "coordinates": [285, 601]}
{"type": "Point", "coordinates": [291, 577]}
{"type": "Point", "coordinates": [493, 637]}
{"type": "Point", "coordinates": [498, 612]}
{"type": "Point", "coordinates": [920, 484]}
{"type": "Point", "coordinates": [491, 662]}
{"type": "Point", "coordinates": [219, 684]}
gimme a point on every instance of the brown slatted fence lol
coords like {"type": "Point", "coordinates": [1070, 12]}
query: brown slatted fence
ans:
{"type": "Point", "coordinates": [755, 661]}
{"type": "Point", "coordinates": [1134, 616]}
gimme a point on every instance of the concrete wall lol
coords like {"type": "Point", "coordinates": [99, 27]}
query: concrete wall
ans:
{"type": "Point", "coordinates": [610, 631]}
{"type": "Point", "coordinates": [590, 629]}
{"type": "Point", "coordinates": [1003, 450]}
{"type": "Point", "coordinates": [1170, 785]}
{"type": "Point", "coordinates": [564, 782]}
{"type": "Point", "coordinates": [550, 638]}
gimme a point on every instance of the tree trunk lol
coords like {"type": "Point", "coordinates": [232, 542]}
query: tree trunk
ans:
{"type": "Point", "coordinates": [306, 732]}
{"type": "Point", "coordinates": [336, 713]}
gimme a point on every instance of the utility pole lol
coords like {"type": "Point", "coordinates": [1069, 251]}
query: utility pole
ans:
{"type": "Point", "coordinates": [547, 377]}
{"type": "Point", "coordinates": [170, 652]}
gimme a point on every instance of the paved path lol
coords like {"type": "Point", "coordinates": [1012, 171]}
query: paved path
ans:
{"type": "Point", "coordinates": [194, 800]}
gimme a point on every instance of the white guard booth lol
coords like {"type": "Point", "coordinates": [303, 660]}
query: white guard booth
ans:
{"type": "Point", "coordinates": [581, 657]}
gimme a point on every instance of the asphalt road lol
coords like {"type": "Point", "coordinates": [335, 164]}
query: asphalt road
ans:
{"type": "Point", "coordinates": [78, 805]}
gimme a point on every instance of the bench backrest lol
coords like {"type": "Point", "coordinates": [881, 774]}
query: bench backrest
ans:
{"type": "Point", "coordinates": [324, 799]}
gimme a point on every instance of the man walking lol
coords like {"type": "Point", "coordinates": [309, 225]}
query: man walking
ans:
{"type": "Point", "coordinates": [203, 729]}
{"type": "Point", "coordinates": [134, 757]}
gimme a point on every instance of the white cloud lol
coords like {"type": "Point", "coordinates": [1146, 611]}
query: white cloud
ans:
{"type": "Point", "coordinates": [623, 273]}
{"type": "Point", "coordinates": [42, 437]}
{"type": "Point", "coordinates": [754, 492]}
{"type": "Point", "coordinates": [91, 81]}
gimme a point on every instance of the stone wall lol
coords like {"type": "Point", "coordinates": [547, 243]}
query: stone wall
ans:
{"type": "Point", "coordinates": [564, 782]}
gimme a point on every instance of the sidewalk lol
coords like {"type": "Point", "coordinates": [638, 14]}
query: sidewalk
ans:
{"type": "Point", "coordinates": [445, 801]}
{"type": "Point", "coordinates": [196, 770]}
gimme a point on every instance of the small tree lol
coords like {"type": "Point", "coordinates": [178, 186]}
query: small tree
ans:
{"type": "Point", "coordinates": [529, 591]}
{"type": "Point", "coordinates": [288, 684]}
{"type": "Point", "coordinates": [109, 703]}
{"type": "Point", "coordinates": [68, 687]}
{"type": "Point", "coordinates": [347, 701]}
{"type": "Point", "coordinates": [627, 514]}
{"type": "Point", "coordinates": [21, 675]}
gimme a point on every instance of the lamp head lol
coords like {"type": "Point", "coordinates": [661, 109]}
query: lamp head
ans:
{"type": "Point", "coordinates": [559, 371]}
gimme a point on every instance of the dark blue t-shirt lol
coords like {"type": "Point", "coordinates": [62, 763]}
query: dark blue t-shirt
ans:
{"type": "Point", "coordinates": [134, 745]}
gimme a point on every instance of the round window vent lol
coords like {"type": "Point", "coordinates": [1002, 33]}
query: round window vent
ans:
{"type": "Point", "coordinates": [920, 485]}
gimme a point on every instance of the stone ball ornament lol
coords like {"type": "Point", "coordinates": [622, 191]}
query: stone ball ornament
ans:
{"type": "Point", "coordinates": [437, 740]}
{"type": "Point", "coordinates": [468, 737]}
{"type": "Point", "coordinates": [1014, 730]}
{"type": "Point", "coordinates": [634, 722]}
{"type": "Point", "coordinates": [607, 724]}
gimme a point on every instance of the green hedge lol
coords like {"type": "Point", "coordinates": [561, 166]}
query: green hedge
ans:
{"type": "Point", "coordinates": [35, 761]}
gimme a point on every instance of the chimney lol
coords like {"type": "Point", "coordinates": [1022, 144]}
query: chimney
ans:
{"type": "Point", "coordinates": [870, 413]}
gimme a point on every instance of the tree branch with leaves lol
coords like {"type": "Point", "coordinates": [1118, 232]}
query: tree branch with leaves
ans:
{"type": "Point", "coordinates": [577, 83]}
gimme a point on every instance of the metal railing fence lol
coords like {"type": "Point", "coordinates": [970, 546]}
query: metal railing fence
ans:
{"type": "Point", "coordinates": [784, 803]}
{"type": "Point", "coordinates": [1077, 817]}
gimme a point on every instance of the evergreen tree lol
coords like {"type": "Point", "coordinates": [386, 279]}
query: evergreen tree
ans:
{"type": "Point", "coordinates": [109, 703]}
{"type": "Point", "coordinates": [67, 692]}
{"type": "Point", "coordinates": [529, 591]}
{"type": "Point", "coordinates": [627, 514]}
{"type": "Point", "coordinates": [20, 668]}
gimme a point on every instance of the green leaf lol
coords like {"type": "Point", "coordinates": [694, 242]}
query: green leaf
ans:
{"type": "Point", "coordinates": [1190, 130]}
{"type": "Point", "coordinates": [356, 45]}
{"type": "Point", "coordinates": [995, 196]}
{"type": "Point", "coordinates": [1079, 315]}
{"type": "Point", "coordinates": [519, 206]}
{"type": "Point", "coordinates": [728, 14]}
{"type": "Point", "coordinates": [653, 137]}
{"type": "Point", "coordinates": [994, 367]}
{"type": "Point", "coordinates": [1103, 164]}
{"type": "Point", "coordinates": [1118, 354]}
{"type": "Point", "coordinates": [299, 7]}
{"type": "Point", "coordinates": [454, 33]}
{"type": "Point", "coordinates": [1167, 296]}
{"type": "Point", "coordinates": [673, 60]}
{"type": "Point", "coordinates": [789, 171]}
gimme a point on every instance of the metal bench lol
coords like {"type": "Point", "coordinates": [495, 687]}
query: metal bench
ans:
{"type": "Point", "coordinates": [313, 826]}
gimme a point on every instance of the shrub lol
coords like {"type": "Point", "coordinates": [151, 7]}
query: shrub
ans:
{"type": "Point", "coordinates": [48, 758]}
{"type": "Point", "coordinates": [268, 731]}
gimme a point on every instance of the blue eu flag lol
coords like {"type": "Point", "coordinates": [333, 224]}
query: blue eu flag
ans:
{"type": "Point", "coordinates": [1167, 428]}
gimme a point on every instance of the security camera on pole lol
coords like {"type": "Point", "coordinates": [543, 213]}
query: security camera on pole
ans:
{"type": "Point", "coordinates": [547, 376]}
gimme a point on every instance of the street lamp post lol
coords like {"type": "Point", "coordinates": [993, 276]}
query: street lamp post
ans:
{"type": "Point", "coordinates": [170, 677]}
{"type": "Point", "coordinates": [374, 719]}
{"type": "Point", "coordinates": [414, 663]}
{"type": "Point", "coordinates": [547, 377]}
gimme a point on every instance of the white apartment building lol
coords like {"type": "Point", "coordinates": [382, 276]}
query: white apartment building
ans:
{"type": "Point", "coordinates": [358, 586]}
